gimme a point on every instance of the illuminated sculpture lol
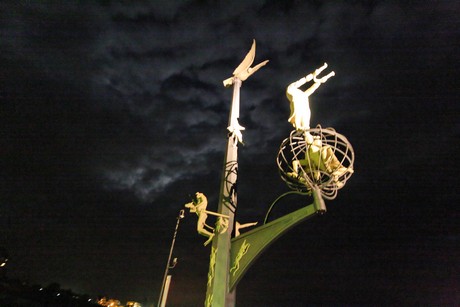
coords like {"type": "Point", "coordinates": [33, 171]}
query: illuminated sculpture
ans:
{"type": "Point", "coordinates": [314, 161]}
{"type": "Point", "coordinates": [198, 205]}
{"type": "Point", "coordinates": [319, 162]}
{"type": "Point", "coordinates": [320, 159]}
{"type": "Point", "coordinates": [241, 73]}
{"type": "Point", "coordinates": [300, 105]}
{"type": "Point", "coordinates": [244, 70]}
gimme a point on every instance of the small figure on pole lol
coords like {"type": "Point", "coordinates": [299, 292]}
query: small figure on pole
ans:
{"type": "Point", "coordinates": [198, 205]}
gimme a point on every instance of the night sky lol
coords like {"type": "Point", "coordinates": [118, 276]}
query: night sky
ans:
{"type": "Point", "coordinates": [113, 112]}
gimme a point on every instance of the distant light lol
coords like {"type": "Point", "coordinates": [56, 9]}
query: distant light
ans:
{"type": "Point", "coordinates": [41, 289]}
{"type": "Point", "coordinates": [58, 294]}
{"type": "Point", "coordinates": [4, 262]}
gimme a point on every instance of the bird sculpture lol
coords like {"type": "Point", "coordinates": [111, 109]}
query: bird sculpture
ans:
{"type": "Point", "coordinates": [244, 70]}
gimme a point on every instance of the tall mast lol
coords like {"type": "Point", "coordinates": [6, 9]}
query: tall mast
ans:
{"type": "Point", "coordinates": [218, 293]}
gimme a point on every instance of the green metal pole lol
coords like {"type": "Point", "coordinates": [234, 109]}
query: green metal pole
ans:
{"type": "Point", "coordinates": [217, 293]}
{"type": "Point", "coordinates": [247, 247]}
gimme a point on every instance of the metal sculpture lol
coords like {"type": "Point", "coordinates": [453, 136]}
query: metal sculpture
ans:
{"type": "Point", "coordinates": [319, 158]}
{"type": "Point", "coordinates": [240, 74]}
{"type": "Point", "coordinates": [300, 104]}
{"type": "Point", "coordinates": [325, 163]}
{"type": "Point", "coordinates": [218, 292]}
{"type": "Point", "coordinates": [198, 205]}
{"type": "Point", "coordinates": [315, 162]}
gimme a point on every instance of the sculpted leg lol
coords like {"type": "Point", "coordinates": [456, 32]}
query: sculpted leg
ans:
{"type": "Point", "coordinates": [238, 226]}
{"type": "Point", "coordinates": [201, 224]}
{"type": "Point", "coordinates": [319, 70]}
{"type": "Point", "coordinates": [323, 79]}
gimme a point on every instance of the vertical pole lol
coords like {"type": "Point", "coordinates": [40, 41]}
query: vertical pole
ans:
{"type": "Point", "coordinates": [165, 291]}
{"type": "Point", "coordinates": [168, 264]}
{"type": "Point", "coordinates": [217, 293]}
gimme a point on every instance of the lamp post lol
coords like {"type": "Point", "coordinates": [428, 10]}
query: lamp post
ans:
{"type": "Point", "coordinates": [163, 293]}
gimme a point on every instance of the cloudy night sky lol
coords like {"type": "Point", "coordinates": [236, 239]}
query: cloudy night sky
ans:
{"type": "Point", "coordinates": [113, 113]}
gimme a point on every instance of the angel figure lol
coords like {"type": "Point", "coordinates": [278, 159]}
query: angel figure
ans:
{"type": "Point", "coordinates": [299, 102]}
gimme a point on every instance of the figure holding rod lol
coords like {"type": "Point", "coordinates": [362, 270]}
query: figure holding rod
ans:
{"type": "Point", "coordinates": [198, 205]}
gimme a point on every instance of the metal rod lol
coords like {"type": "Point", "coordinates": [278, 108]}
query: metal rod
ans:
{"type": "Point", "coordinates": [166, 291]}
{"type": "Point", "coordinates": [181, 216]}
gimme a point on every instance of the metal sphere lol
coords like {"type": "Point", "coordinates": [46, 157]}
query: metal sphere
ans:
{"type": "Point", "coordinates": [318, 157]}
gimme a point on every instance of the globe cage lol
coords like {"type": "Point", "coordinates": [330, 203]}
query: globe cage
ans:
{"type": "Point", "coordinates": [326, 163]}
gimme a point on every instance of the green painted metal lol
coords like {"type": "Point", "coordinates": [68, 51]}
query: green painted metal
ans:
{"type": "Point", "coordinates": [217, 293]}
{"type": "Point", "coordinates": [247, 247]}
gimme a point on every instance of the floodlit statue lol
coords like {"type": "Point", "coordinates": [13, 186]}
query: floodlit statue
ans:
{"type": "Point", "coordinates": [198, 206]}
{"type": "Point", "coordinates": [300, 105]}
{"type": "Point", "coordinates": [318, 157]}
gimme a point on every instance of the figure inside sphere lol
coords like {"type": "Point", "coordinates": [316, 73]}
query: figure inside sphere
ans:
{"type": "Point", "coordinates": [321, 158]}
{"type": "Point", "coordinates": [299, 100]}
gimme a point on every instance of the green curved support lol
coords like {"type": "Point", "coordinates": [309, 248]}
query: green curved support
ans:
{"type": "Point", "coordinates": [247, 247]}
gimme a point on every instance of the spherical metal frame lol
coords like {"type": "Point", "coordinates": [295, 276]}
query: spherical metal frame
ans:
{"type": "Point", "coordinates": [313, 172]}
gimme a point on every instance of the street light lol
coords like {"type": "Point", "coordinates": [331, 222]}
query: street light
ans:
{"type": "Point", "coordinates": [169, 265]}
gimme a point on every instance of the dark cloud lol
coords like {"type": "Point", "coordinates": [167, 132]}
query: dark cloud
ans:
{"type": "Point", "coordinates": [114, 113]}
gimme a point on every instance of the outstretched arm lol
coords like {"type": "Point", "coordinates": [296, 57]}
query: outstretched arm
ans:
{"type": "Point", "coordinates": [191, 206]}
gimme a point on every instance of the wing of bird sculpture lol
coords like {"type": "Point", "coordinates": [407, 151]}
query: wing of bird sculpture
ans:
{"type": "Point", "coordinates": [248, 60]}
{"type": "Point", "coordinates": [244, 70]}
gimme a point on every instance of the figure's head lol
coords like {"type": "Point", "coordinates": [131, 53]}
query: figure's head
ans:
{"type": "Point", "coordinates": [199, 197]}
{"type": "Point", "coordinates": [309, 77]}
